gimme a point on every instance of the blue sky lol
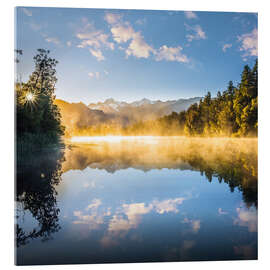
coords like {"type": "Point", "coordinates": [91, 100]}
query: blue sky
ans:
{"type": "Point", "coordinates": [133, 54]}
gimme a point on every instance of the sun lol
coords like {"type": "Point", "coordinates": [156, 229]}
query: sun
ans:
{"type": "Point", "coordinates": [29, 99]}
{"type": "Point", "coordinates": [29, 96]}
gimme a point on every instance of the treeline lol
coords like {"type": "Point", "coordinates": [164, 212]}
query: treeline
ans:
{"type": "Point", "coordinates": [234, 112]}
{"type": "Point", "coordinates": [38, 118]}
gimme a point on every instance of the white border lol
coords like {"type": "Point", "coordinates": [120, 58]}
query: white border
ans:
{"type": "Point", "coordinates": [7, 121]}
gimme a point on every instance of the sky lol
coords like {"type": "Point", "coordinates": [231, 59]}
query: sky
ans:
{"type": "Point", "coordinates": [128, 55]}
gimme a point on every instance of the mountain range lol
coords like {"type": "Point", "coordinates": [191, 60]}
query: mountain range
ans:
{"type": "Point", "coordinates": [144, 109]}
{"type": "Point", "coordinates": [78, 115]}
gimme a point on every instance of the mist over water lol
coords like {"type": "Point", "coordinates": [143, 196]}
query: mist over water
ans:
{"type": "Point", "coordinates": [138, 199]}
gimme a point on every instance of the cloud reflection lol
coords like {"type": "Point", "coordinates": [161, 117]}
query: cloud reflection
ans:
{"type": "Point", "coordinates": [124, 218]}
{"type": "Point", "coordinates": [129, 216]}
{"type": "Point", "coordinates": [195, 224]}
{"type": "Point", "coordinates": [247, 218]}
{"type": "Point", "coordinates": [245, 251]}
{"type": "Point", "coordinates": [93, 218]}
{"type": "Point", "coordinates": [221, 212]}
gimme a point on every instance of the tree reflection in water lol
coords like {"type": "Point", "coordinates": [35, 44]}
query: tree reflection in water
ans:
{"type": "Point", "coordinates": [37, 176]}
{"type": "Point", "coordinates": [233, 161]}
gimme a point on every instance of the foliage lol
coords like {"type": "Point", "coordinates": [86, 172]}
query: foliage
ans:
{"type": "Point", "coordinates": [35, 109]}
{"type": "Point", "coordinates": [232, 113]}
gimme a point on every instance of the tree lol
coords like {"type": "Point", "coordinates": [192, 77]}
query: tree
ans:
{"type": "Point", "coordinates": [194, 122]}
{"type": "Point", "coordinates": [36, 111]}
{"type": "Point", "coordinates": [246, 102]}
{"type": "Point", "coordinates": [226, 114]}
{"type": "Point", "coordinates": [234, 112]}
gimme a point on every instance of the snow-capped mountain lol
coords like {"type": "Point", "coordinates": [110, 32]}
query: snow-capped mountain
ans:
{"type": "Point", "coordinates": [108, 106]}
{"type": "Point", "coordinates": [77, 116]}
{"type": "Point", "coordinates": [143, 109]}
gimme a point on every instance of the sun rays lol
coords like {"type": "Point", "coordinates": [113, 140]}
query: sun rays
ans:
{"type": "Point", "coordinates": [29, 99]}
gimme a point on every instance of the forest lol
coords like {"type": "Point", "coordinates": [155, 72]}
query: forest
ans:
{"type": "Point", "coordinates": [232, 113]}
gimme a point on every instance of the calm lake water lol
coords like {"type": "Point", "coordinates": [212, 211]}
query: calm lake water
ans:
{"type": "Point", "coordinates": [138, 200]}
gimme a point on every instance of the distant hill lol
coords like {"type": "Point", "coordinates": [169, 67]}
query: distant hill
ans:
{"type": "Point", "coordinates": [144, 109]}
{"type": "Point", "coordinates": [77, 116]}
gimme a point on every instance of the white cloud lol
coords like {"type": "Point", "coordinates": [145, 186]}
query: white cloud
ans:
{"type": "Point", "coordinates": [249, 43]}
{"type": "Point", "coordinates": [123, 32]}
{"type": "Point", "coordinates": [226, 46]}
{"type": "Point", "coordinates": [69, 43]}
{"type": "Point", "coordinates": [94, 39]}
{"type": "Point", "coordinates": [190, 15]}
{"type": "Point", "coordinates": [53, 40]}
{"type": "Point", "coordinates": [196, 32]}
{"type": "Point", "coordinates": [171, 54]}
{"type": "Point", "coordinates": [95, 74]}
{"type": "Point", "coordinates": [139, 48]}
{"type": "Point", "coordinates": [97, 53]}
{"type": "Point", "coordinates": [112, 18]}
{"type": "Point", "coordinates": [27, 12]}
{"type": "Point", "coordinates": [90, 184]}
{"type": "Point", "coordinates": [94, 205]}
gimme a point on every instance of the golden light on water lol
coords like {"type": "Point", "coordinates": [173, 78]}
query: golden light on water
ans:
{"type": "Point", "coordinates": [153, 152]}
{"type": "Point", "coordinates": [110, 138]}
{"type": "Point", "coordinates": [161, 140]}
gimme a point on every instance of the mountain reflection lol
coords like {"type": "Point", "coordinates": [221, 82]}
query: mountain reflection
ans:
{"type": "Point", "coordinates": [233, 161]}
{"type": "Point", "coordinates": [37, 176]}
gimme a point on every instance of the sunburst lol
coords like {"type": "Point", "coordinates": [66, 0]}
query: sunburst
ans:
{"type": "Point", "coordinates": [29, 99]}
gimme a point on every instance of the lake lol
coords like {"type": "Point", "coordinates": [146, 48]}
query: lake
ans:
{"type": "Point", "coordinates": [138, 199]}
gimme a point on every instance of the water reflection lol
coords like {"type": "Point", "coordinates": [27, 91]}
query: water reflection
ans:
{"type": "Point", "coordinates": [37, 177]}
{"type": "Point", "coordinates": [233, 161]}
{"type": "Point", "coordinates": [139, 201]}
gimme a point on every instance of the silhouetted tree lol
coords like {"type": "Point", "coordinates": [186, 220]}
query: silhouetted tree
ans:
{"type": "Point", "coordinates": [35, 109]}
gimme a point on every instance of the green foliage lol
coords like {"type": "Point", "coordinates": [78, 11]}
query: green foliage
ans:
{"type": "Point", "coordinates": [38, 118]}
{"type": "Point", "coordinates": [232, 113]}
